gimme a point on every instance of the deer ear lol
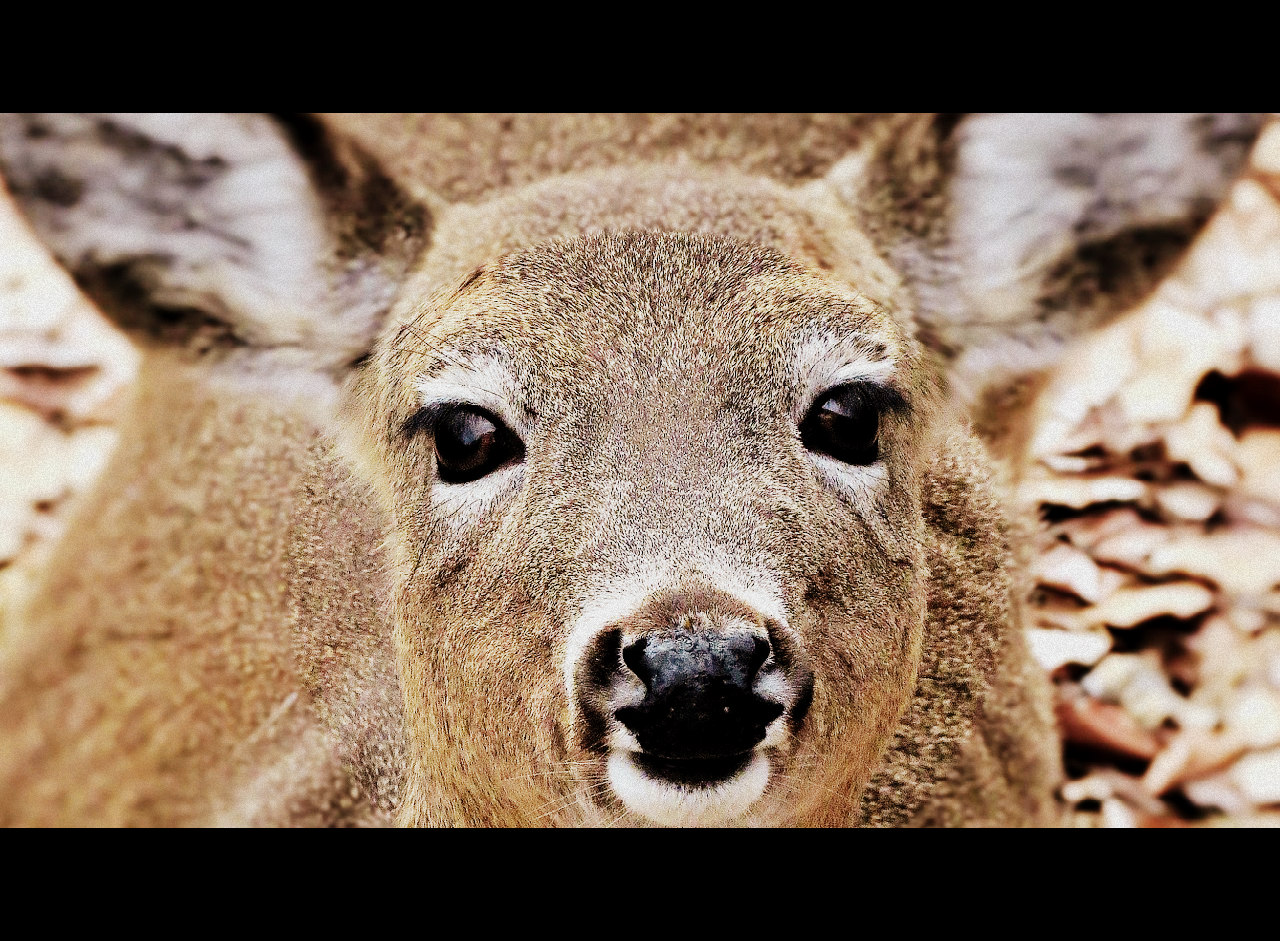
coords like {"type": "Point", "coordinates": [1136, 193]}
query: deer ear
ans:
{"type": "Point", "coordinates": [1019, 232]}
{"type": "Point", "coordinates": [267, 247]}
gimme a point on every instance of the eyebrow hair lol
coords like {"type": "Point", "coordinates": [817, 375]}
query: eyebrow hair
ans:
{"type": "Point", "coordinates": [873, 371]}
{"type": "Point", "coordinates": [829, 359]}
{"type": "Point", "coordinates": [481, 379]}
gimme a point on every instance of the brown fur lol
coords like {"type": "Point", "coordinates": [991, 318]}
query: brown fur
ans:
{"type": "Point", "coordinates": [256, 623]}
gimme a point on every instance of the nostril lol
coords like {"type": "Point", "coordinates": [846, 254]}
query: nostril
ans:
{"type": "Point", "coordinates": [596, 670]}
{"type": "Point", "coordinates": [758, 656]}
{"type": "Point", "coordinates": [633, 656]}
{"type": "Point", "coordinates": [600, 661]}
{"type": "Point", "coordinates": [742, 657]}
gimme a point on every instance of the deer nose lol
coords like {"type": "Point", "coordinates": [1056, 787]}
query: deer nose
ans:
{"type": "Point", "coordinates": [700, 700]}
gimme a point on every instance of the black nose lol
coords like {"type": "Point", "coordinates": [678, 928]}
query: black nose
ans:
{"type": "Point", "coordinates": [699, 700]}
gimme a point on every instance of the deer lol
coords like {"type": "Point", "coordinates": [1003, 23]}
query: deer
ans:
{"type": "Point", "coordinates": [570, 470]}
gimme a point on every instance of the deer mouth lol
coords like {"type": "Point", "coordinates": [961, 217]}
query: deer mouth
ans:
{"type": "Point", "coordinates": [692, 772]}
{"type": "Point", "coordinates": [688, 792]}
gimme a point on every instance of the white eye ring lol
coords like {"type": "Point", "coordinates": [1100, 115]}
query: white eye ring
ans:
{"type": "Point", "coordinates": [483, 382]}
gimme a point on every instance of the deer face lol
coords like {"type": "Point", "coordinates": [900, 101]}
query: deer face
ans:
{"type": "Point", "coordinates": [658, 505]}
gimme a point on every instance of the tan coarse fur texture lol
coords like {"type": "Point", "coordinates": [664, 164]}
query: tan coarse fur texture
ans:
{"type": "Point", "coordinates": [518, 470]}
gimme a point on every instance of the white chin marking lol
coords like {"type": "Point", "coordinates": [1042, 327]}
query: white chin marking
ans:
{"type": "Point", "coordinates": [674, 805]}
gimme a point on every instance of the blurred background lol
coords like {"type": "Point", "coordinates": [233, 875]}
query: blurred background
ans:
{"type": "Point", "coordinates": [1154, 473]}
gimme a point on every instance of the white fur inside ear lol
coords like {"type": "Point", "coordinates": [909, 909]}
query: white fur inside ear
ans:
{"type": "Point", "coordinates": [1030, 187]}
{"type": "Point", "coordinates": [1028, 191]}
{"type": "Point", "coordinates": [674, 805]}
{"type": "Point", "coordinates": [209, 212]}
{"type": "Point", "coordinates": [216, 207]}
{"type": "Point", "coordinates": [285, 377]}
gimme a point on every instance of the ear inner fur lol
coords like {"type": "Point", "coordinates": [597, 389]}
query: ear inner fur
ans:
{"type": "Point", "coordinates": [214, 237]}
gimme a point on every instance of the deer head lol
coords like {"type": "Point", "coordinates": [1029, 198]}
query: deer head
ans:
{"type": "Point", "coordinates": [647, 490]}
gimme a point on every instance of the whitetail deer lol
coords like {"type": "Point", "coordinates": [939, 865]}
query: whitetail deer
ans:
{"type": "Point", "coordinates": [515, 470]}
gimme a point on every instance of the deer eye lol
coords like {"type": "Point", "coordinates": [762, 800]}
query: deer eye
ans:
{"type": "Point", "coordinates": [844, 423]}
{"type": "Point", "coordinates": [471, 443]}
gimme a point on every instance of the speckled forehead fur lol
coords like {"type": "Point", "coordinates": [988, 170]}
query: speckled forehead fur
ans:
{"type": "Point", "coordinates": [662, 309]}
{"type": "Point", "coordinates": [807, 226]}
{"type": "Point", "coordinates": [756, 238]}
{"type": "Point", "coordinates": [473, 156]}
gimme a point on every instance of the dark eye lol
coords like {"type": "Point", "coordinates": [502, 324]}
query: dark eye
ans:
{"type": "Point", "coordinates": [844, 423]}
{"type": "Point", "coordinates": [470, 443]}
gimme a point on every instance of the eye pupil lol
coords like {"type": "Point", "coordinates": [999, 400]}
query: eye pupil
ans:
{"type": "Point", "coordinates": [471, 443]}
{"type": "Point", "coordinates": [844, 424]}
